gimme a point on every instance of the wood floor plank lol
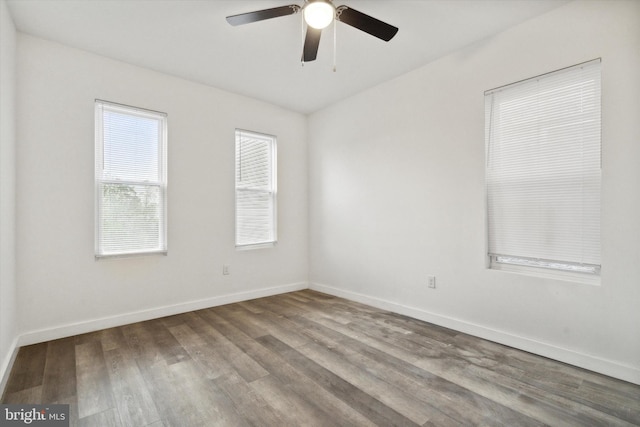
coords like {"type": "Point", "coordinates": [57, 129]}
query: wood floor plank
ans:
{"type": "Point", "coordinates": [184, 397]}
{"type": "Point", "coordinates": [510, 393]}
{"type": "Point", "coordinates": [107, 418]}
{"type": "Point", "coordinates": [171, 349]}
{"type": "Point", "coordinates": [211, 403]}
{"type": "Point", "coordinates": [28, 368]}
{"type": "Point", "coordinates": [307, 358]}
{"type": "Point", "coordinates": [288, 404]}
{"type": "Point", "coordinates": [270, 324]}
{"type": "Point", "coordinates": [152, 341]}
{"type": "Point", "coordinates": [452, 401]}
{"type": "Point", "coordinates": [248, 368]}
{"type": "Point", "coordinates": [247, 306]}
{"type": "Point", "coordinates": [93, 385]}
{"type": "Point", "coordinates": [72, 401]}
{"type": "Point", "coordinates": [133, 400]}
{"type": "Point", "coordinates": [314, 394]}
{"type": "Point", "coordinates": [365, 403]}
{"type": "Point", "coordinates": [386, 347]}
{"type": "Point", "coordinates": [248, 401]}
{"type": "Point", "coordinates": [140, 344]}
{"type": "Point", "coordinates": [31, 395]}
{"type": "Point", "coordinates": [276, 305]}
{"type": "Point", "coordinates": [211, 361]}
{"type": "Point", "coordinates": [321, 306]}
{"type": "Point", "coordinates": [59, 376]}
{"type": "Point", "coordinates": [297, 296]}
{"type": "Point", "coordinates": [112, 338]}
{"type": "Point", "coordinates": [173, 406]}
{"type": "Point", "coordinates": [246, 316]}
{"type": "Point", "coordinates": [608, 398]}
{"type": "Point", "coordinates": [429, 330]}
{"type": "Point", "coordinates": [387, 393]}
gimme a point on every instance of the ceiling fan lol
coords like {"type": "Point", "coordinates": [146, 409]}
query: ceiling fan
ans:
{"type": "Point", "coordinates": [319, 14]}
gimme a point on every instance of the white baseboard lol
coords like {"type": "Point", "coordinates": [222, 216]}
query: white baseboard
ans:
{"type": "Point", "coordinates": [592, 363]}
{"type": "Point", "coordinates": [7, 364]}
{"type": "Point", "coordinates": [71, 329]}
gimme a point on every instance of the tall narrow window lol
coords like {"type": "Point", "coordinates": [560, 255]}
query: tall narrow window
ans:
{"type": "Point", "coordinates": [543, 171]}
{"type": "Point", "coordinates": [131, 180]}
{"type": "Point", "coordinates": [255, 189]}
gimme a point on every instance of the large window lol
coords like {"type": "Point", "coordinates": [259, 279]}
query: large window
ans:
{"type": "Point", "coordinates": [543, 171]}
{"type": "Point", "coordinates": [255, 189]}
{"type": "Point", "coordinates": [131, 180]}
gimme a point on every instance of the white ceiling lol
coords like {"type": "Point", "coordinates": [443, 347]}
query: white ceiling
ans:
{"type": "Point", "coordinates": [192, 40]}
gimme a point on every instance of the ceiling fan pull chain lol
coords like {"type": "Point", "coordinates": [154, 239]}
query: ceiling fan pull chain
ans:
{"type": "Point", "coordinates": [302, 38]}
{"type": "Point", "coordinates": [334, 46]}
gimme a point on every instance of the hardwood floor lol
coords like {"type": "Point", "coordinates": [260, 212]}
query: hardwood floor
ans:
{"type": "Point", "coordinates": [308, 359]}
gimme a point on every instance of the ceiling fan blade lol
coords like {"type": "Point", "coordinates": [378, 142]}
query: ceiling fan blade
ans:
{"type": "Point", "coordinates": [260, 15]}
{"type": "Point", "coordinates": [366, 23]}
{"type": "Point", "coordinates": [311, 44]}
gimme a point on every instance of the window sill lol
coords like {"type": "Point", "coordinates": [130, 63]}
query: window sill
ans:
{"type": "Point", "coordinates": [129, 255]}
{"type": "Point", "coordinates": [544, 273]}
{"type": "Point", "coordinates": [255, 246]}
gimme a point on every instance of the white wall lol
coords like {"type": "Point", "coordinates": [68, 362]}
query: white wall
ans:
{"type": "Point", "coordinates": [8, 316]}
{"type": "Point", "coordinates": [62, 289]}
{"type": "Point", "coordinates": [397, 193]}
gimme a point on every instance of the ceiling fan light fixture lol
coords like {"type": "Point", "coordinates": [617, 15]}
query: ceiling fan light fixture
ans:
{"type": "Point", "coordinates": [319, 14]}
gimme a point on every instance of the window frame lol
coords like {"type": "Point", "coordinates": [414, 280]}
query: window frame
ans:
{"type": "Point", "coordinates": [563, 270]}
{"type": "Point", "coordinates": [272, 191]}
{"type": "Point", "coordinates": [161, 183]}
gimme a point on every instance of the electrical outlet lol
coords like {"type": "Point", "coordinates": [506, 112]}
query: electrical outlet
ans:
{"type": "Point", "coordinates": [431, 281]}
{"type": "Point", "coordinates": [225, 270]}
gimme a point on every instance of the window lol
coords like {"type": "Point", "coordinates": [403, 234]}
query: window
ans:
{"type": "Point", "coordinates": [543, 171]}
{"type": "Point", "coordinates": [131, 180]}
{"type": "Point", "coordinates": [255, 189]}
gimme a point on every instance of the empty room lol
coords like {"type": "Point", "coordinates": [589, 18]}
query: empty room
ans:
{"type": "Point", "coordinates": [319, 213]}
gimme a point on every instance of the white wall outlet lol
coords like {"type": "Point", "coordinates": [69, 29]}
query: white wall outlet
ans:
{"type": "Point", "coordinates": [225, 270]}
{"type": "Point", "coordinates": [431, 280]}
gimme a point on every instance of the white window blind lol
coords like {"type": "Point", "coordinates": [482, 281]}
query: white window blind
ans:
{"type": "Point", "coordinates": [255, 189]}
{"type": "Point", "coordinates": [131, 180]}
{"type": "Point", "coordinates": [543, 170]}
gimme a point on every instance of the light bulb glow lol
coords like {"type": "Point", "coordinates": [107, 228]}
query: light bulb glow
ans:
{"type": "Point", "coordinates": [319, 14]}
